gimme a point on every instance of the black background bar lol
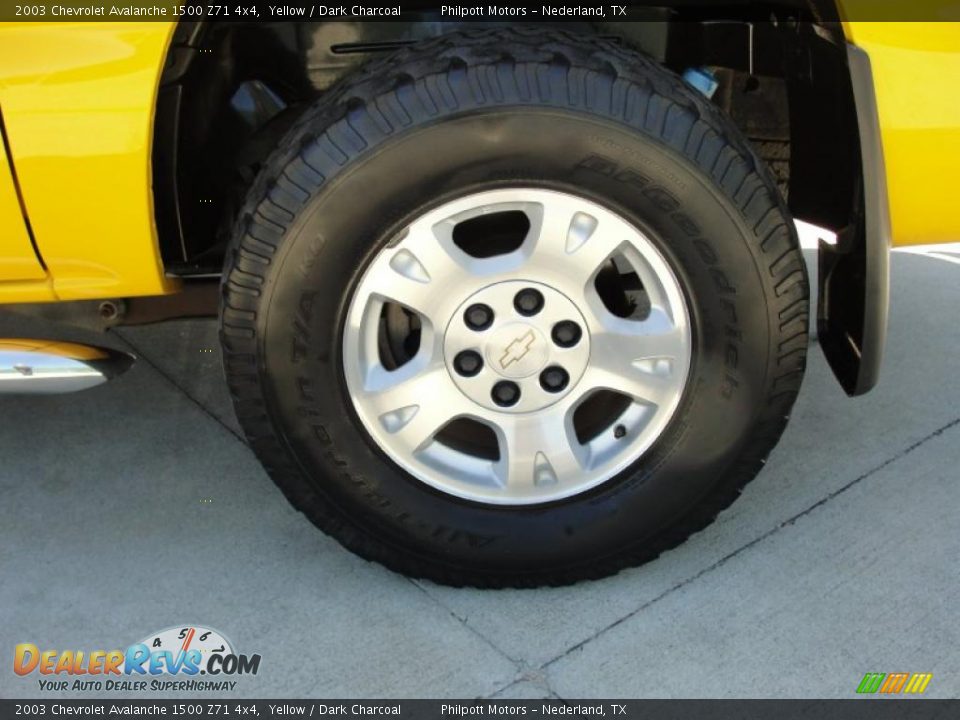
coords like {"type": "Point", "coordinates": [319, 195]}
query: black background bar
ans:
{"type": "Point", "coordinates": [463, 10]}
{"type": "Point", "coordinates": [873, 708]}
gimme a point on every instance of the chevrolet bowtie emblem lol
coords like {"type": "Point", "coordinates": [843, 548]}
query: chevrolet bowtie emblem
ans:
{"type": "Point", "coordinates": [517, 349]}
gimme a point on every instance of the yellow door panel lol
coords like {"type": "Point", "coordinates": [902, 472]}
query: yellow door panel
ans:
{"type": "Point", "coordinates": [916, 71]}
{"type": "Point", "coordinates": [78, 102]}
{"type": "Point", "coordinates": [18, 261]}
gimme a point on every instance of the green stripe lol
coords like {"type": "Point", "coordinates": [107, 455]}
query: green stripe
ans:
{"type": "Point", "coordinates": [871, 682]}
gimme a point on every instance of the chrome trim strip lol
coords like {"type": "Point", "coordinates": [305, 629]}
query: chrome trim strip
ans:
{"type": "Point", "coordinates": [29, 366]}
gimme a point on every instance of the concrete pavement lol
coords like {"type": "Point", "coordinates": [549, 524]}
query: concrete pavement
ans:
{"type": "Point", "coordinates": [135, 507]}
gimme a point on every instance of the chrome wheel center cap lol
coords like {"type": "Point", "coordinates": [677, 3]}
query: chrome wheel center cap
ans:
{"type": "Point", "coordinates": [525, 367]}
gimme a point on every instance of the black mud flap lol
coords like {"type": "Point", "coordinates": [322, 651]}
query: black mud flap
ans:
{"type": "Point", "coordinates": [855, 274]}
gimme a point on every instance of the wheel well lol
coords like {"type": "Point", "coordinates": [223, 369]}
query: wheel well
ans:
{"type": "Point", "coordinates": [229, 91]}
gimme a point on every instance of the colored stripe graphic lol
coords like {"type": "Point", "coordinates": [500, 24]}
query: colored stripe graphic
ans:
{"type": "Point", "coordinates": [918, 683]}
{"type": "Point", "coordinates": [871, 682]}
{"type": "Point", "coordinates": [894, 683]}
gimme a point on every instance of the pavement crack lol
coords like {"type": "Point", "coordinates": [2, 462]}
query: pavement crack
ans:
{"type": "Point", "coordinates": [533, 676]}
{"type": "Point", "coordinates": [518, 665]}
{"type": "Point", "coordinates": [166, 376]}
{"type": "Point", "coordinates": [757, 540]}
{"type": "Point", "coordinates": [516, 681]}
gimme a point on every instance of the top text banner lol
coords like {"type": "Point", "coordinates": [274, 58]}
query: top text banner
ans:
{"type": "Point", "coordinates": [462, 11]}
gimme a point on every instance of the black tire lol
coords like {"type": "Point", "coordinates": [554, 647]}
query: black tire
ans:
{"type": "Point", "coordinates": [776, 154]}
{"type": "Point", "coordinates": [488, 109]}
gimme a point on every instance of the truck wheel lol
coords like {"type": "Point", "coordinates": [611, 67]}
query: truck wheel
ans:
{"type": "Point", "coordinates": [513, 308]}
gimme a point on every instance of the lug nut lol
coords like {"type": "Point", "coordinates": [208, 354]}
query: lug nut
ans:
{"type": "Point", "coordinates": [505, 393]}
{"type": "Point", "coordinates": [468, 363]}
{"type": "Point", "coordinates": [566, 333]}
{"type": "Point", "coordinates": [554, 379]}
{"type": "Point", "coordinates": [478, 317]}
{"type": "Point", "coordinates": [528, 302]}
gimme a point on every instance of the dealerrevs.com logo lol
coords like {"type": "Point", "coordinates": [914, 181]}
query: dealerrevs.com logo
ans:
{"type": "Point", "coordinates": [169, 660]}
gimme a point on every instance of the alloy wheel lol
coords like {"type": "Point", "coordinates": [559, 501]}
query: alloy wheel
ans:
{"type": "Point", "coordinates": [517, 346]}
